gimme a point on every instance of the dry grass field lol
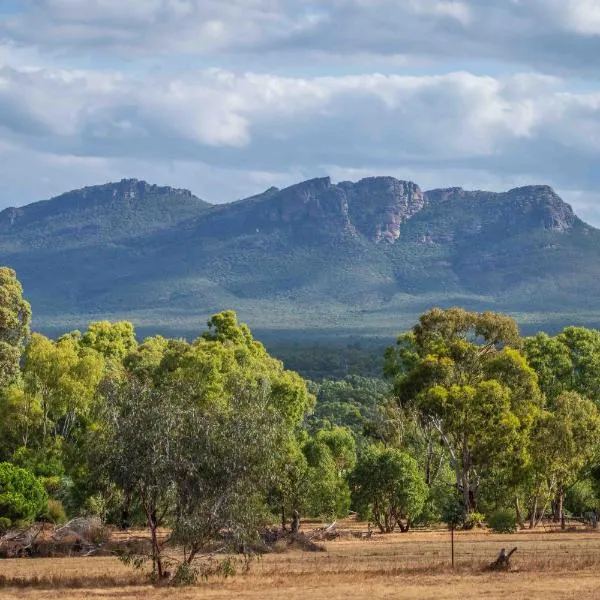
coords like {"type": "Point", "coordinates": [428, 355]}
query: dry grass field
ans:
{"type": "Point", "coordinates": [548, 565]}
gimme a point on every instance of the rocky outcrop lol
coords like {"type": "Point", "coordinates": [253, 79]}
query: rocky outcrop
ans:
{"type": "Point", "coordinates": [529, 207]}
{"type": "Point", "coordinates": [539, 206]}
{"type": "Point", "coordinates": [374, 207]}
{"type": "Point", "coordinates": [379, 205]}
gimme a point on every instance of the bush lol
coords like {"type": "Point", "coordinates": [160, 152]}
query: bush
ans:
{"type": "Point", "coordinates": [56, 512]}
{"type": "Point", "coordinates": [4, 525]}
{"type": "Point", "coordinates": [474, 519]}
{"type": "Point", "coordinates": [388, 484]}
{"type": "Point", "coordinates": [22, 494]}
{"type": "Point", "coordinates": [503, 521]}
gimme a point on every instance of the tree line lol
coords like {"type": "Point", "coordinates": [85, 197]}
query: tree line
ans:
{"type": "Point", "coordinates": [215, 439]}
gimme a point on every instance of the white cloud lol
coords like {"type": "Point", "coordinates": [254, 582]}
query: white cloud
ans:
{"type": "Point", "coordinates": [551, 35]}
{"type": "Point", "coordinates": [445, 117]}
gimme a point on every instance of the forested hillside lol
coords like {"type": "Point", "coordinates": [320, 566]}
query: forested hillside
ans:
{"type": "Point", "coordinates": [317, 257]}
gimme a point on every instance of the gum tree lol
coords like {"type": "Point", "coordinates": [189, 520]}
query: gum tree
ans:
{"type": "Point", "coordinates": [464, 376]}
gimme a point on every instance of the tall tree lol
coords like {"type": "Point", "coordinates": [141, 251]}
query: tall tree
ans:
{"type": "Point", "coordinates": [15, 318]}
{"type": "Point", "coordinates": [566, 445]}
{"type": "Point", "coordinates": [195, 432]}
{"type": "Point", "coordinates": [464, 375]}
{"type": "Point", "coordinates": [63, 377]}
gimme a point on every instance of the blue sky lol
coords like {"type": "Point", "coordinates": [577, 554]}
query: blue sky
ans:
{"type": "Point", "coordinates": [228, 98]}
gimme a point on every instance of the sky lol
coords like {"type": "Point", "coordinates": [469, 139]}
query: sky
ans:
{"type": "Point", "coordinates": [229, 97]}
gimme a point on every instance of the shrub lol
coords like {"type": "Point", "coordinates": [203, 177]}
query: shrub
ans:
{"type": "Point", "coordinates": [22, 494]}
{"type": "Point", "coordinates": [4, 525]}
{"type": "Point", "coordinates": [474, 519]}
{"type": "Point", "coordinates": [55, 512]}
{"type": "Point", "coordinates": [503, 521]}
{"type": "Point", "coordinates": [388, 484]}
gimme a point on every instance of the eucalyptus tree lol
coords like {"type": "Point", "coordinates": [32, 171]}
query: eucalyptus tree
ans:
{"type": "Point", "coordinates": [15, 319]}
{"type": "Point", "coordinates": [197, 433]}
{"type": "Point", "coordinates": [464, 375]}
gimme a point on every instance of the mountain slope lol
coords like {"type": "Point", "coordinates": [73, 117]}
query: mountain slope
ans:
{"type": "Point", "coordinates": [363, 257]}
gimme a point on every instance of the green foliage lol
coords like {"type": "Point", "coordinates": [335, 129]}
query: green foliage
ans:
{"type": "Point", "coordinates": [342, 447]}
{"type": "Point", "coordinates": [111, 340]}
{"type": "Point", "coordinates": [194, 430]}
{"type": "Point", "coordinates": [55, 513]}
{"type": "Point", "coordinates": [582, 497]}
{"type": "Point", "coordinates": [464, 377]}
{"type": "Point", "coordinates": [570, 361]}
{"type": "Point", "coordinates": [473, 519]}
{"type": "Point", "coordinates": [216, 435]}
{"type": "Point", "coordinates": [22, 495]}
{"type": "Point", "coordinates": [63, 378]}
{"type": "Point", "coordinates": [388, 485]}
{"type": "Point", "coordinates": [327, 492]}
{"type": "Point", "coordinates": [503, 521]}
{"type": "Point", "coordinates": [567, 438]}
{"type": "Point", "coordinates": [452, 510]}
{"type": "Point", "coordinates": [352, 403]}
{"type": "Point", "coordinates": [15, 317]}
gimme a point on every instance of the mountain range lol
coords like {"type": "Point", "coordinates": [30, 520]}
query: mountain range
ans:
{"type": "Point", "coordinates": [361, 258]}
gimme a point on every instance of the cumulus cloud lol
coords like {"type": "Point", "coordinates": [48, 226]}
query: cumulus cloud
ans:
{"type": "Point", "coordinates": [219, 116]}
{"type": "Point", "coordinates": [551, 35]}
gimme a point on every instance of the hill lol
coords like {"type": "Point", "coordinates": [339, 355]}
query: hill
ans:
{"type": "Point", "coordinates": [358, 258]}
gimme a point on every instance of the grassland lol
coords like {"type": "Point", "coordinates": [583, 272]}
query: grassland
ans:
{"type": "Point", "coordinates": [549, 565]}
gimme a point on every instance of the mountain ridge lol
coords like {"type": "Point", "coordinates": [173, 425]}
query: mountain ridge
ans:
{"type": "Point", "coordinates": [365, 255]}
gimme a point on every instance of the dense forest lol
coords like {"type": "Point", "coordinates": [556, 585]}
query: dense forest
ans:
{"type": "Point", "coordinates": [467, 423]}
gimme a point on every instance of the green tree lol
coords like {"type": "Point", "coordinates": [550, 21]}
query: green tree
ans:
{"type": "Point", "coordinates": [195, 432]}
{"type": "Point", "coordinates": [569, 361]}
{"type": "Point", "coordinates": [22, 495]}
{"type": "Point", "coordinates": [342, 446]}
{"type": "Point", "coordinates": [63, 378]}
{"type": "Point", "coordinates": [388, 485]}
{"type": "Point", "coordinates": [327, 492]}
{"type": "Point", "coordinates": [15, 318]}
{"type": "Point", "coordinates": [21, 418]}
{"type": "Point", "coordinates": [112, 340]}
{"type": "Point", "coordinates": [463, 375]}
{"type": "Point", "coordinates": [566, 444]}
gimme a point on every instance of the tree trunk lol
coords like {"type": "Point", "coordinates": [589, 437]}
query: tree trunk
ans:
{"type": "Point", "coordinates": [429, 459]}
{"type": "Point", "coordinates": [150, 510]}
{"type": "Point", "coordinates": [561, 507]}
{"type": "Point", "coordinates": [518, 513]}
{"type": "Point", "coordinates": [156, 557]}
{"type": "Point", "coordinates": [533, 515]}
{"type": "Point", "coordinates": [558, 507]}
{"type": "Point", "coordinates": [466, 494]}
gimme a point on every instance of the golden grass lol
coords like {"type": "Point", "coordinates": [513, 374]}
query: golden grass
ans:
{"type": "Point", "coordinates": [415, 565]}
